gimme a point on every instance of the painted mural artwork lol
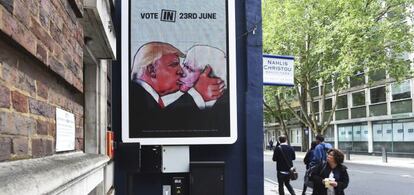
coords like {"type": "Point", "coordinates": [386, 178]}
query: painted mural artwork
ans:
{"type": "Point", "coordinates": [178, 69]}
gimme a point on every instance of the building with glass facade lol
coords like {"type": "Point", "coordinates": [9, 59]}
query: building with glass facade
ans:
{"type": "Point", "coordinates": [374, 112]}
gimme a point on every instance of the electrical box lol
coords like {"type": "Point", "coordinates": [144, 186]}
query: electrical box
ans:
{"type": "Point", "coordinates": [175, 159]}
{"type": "Point", "coordinates": [128, 155]}
{"type": "Point", "coordinates": [151, 159]}
{"type": "Point", "coordinates": [207, 178]}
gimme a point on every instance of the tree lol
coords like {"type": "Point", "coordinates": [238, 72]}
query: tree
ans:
{"type": "Point", "coordinates": [334, 40]}
{"type": "Point", "coordinates": [273, 110]}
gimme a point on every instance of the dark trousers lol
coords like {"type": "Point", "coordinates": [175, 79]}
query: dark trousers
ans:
{"type": "Point", "coordinates": [284, 180]}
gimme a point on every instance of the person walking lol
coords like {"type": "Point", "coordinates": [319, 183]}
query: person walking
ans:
{"type": "Point", "coordinates": [284, 154]}
{"type": "Point", "coordinates": [271, 144]}
{"type": "Point", "coordinates": [307, 160]}
{"type": "Point", "coordinates": [319, 154]}
{"type": "Point", "coordinates": [330, 177]}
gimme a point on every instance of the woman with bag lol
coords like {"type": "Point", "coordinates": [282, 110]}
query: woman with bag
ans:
{"type": "Point", "coordinates": [307, 160]}
{"type": "Point", "coordinates": [331, 177]}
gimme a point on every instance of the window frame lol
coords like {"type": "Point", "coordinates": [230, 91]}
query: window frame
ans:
{"type": "Point", "coordinates": [352, 99]}
{"type": "Point", "coordinates": [403, 99]}
{"type": "Point", "coordinates": [370, 95]}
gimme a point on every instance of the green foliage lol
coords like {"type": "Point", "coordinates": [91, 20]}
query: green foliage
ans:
{"type": "Point", "coordinates": [333, 39]}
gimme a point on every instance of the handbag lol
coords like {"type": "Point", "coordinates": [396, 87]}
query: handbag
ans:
{"type": "Point", "coordinates": [307, 180]}
{"type": "Point", "coordinates": [293, 174]}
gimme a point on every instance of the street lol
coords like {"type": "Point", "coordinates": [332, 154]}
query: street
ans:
{"type": "Point", "coordinates": [364, 179]}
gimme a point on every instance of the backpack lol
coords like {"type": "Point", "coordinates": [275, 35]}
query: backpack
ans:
{"type": "Point", "coordinates": [324, 154]}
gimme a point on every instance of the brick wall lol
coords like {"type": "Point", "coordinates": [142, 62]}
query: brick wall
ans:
{"type": "Point", "coordinates": [50, 31]}
{"type": "Point", "coordinates": [41, 68]}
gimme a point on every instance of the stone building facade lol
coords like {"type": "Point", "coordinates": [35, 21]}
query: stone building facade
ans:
{"type": "Point", "coordinates": [42, 68]}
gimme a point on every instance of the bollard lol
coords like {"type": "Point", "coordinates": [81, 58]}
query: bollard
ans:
{"type": "Point", "coordinates": [384, 155]}
{"type": "Point", "coordinates": [348, 154]}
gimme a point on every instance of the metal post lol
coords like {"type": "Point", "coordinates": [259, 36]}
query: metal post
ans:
{"type": "Point", "coordinates": [384, 155]}
{"type": "Point", "coordinates": [348, 154]}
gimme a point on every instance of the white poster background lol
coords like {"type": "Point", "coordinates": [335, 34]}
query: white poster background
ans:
{"type": "Point", "coordinates": [278, 70]}
{"type": "Point", "coordinates": [184, 32]}
{"type": "Point", "coordinates": [65, 130]}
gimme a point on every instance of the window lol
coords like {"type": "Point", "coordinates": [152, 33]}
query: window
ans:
{"type": "Point", "coordinates": [377, 75]}
{"type": "Point", "coordinates": [401, 90]}
{"type": "Point", "coordinates": [327, 85]}
{"type": "Point", "coordinates": [328, 88]}
{"type": "Point", "coordinates": [409, 131]}
{"type": "Point", "coordinates": [342, 105]}
{"type": "Point", "coordinates": [357, 79]}
{"type": "Point", "coordinates": [342, 102]}
{"type": "Point", "coordinates": [345, 133]}
{"type": "Point", "coordinates": [358, 99]}
{"type": "Point", "coordinates": [328, 104]}
{"type": "Point", "coordinates": [316, 106]}
{"type": "Point", "coordinates": [296, 136]}
{"type": "Point", "coordinates": [378, 95]}
{"type": "Point", "coordinates": [314, 91]}
{"type": "Point", "coordinates": [401, 97]}
{"type": "Point", "coordinates": [330, 134]}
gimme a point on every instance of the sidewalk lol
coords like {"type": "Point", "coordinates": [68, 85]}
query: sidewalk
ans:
{"type": "Point", "coordinates": [271, 188]}
{"type": "Point", "coordinates": [368, 160]}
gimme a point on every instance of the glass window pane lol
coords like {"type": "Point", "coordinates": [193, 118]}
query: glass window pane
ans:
{"type": "Point", "coordinates": [378, 95]}
{"type": "Point", "coordinates": [387, 132]}
{"type": "Point", "coordinates": [409, 131]}
{"type": "Point", "coordinates": [357, 80]}
{"type": "Point", "coordinates": [341, 134]}
{"type": "Point", "coordinates": [293, 136]}
{"type": "Point", "coordinates": [401, 91]}
{"type": "Point", "coordinates": [328, 88]}
{"type": "Point", "coordinates": [404, 106]}
{"type": "Point", "coordinates": [326, 116]}
{"type": "Point", "coordinates": [329, 134]}
{"type": "Point", "coordinates": [342, 102]}
{"type": "Point", "coordinates": [357, 132]}
{"type": "Point", "coordinates": [316, 106]}
{"type": "Point", "coordinates": [364, 133]}
{"type": "Point", "coordinates": [314, 91]}
{"type": "Point", "coordinates": [358, 112]}
{"type": "Point", "coordinates": [328, 104]}
{"type": "Point", "coordinates": [397, 132]}
{"type": "Point", "coordinates": [377, 131]}
{"type": "Point", "coordinates": [377, 75]}
{"type": "Point", "coordinates": [313, 83]}
{"type": "Point", "coordinates": [341, 114]}
{"type": "Point", "coordinates": [348, 136]}
{"type": "Point", "coordinates": [358, 98]}
{"type": "Point", "coordinates": [378, 109]}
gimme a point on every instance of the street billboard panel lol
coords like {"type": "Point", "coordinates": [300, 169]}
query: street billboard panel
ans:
{"type": "Point", "coordinates": [178, 72]}
{"type": "Point", "coordinates": [278, 70]}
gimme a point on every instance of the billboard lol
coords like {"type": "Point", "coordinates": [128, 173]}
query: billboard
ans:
{"type": "Point", "coordinates": [178, 72]}
{"type": "Point", "coordinates": [278, 70]}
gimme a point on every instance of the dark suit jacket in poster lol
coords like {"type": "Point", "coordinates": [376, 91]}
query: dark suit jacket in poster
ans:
{"type": "Point", "coordinates": [182, 118]}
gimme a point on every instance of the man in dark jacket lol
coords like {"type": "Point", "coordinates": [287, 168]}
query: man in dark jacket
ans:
{"type": "Point", "coordinates": [284, 155]}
